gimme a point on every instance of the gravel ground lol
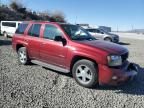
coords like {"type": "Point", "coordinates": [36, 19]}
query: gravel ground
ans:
{"type": "Point", "coordinates": [33, 86]}
{"type": "Point", "coordinates": [139, 36]}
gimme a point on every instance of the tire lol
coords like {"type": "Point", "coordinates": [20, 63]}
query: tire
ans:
{"type": "Point", "coordinates": [85, 73]}
{"type": "Point", "coordinates": [108, 39]}
{"type": "Point", "coordinates": [5, 35]}
{"type": "Point", "coordinates": [23, 56]}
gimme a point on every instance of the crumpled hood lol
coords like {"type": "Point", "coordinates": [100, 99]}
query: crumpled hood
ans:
{"type": "Point", "coordinates": [109, 47]}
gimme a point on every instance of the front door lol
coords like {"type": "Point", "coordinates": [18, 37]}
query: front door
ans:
{"type": "Point", "coordinates": [99, 34]}
{"type": "Point", "coordinates": [52, 51]}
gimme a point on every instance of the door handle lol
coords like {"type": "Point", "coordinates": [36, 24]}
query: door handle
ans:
{"type": "Point", "coordinates": [26, 40]}
{"type": "Point", "coordinates": [43, 43]}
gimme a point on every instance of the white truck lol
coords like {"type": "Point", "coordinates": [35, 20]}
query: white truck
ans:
{"type": "Point", "coordinates": [8, 28]}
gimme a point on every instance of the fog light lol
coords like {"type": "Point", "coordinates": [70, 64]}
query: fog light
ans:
{"type": "Point", "coordinates": [114, 77]}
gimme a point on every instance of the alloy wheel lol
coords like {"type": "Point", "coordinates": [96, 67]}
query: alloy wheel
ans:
{"type": "Point", "coordinates": [83, 74]}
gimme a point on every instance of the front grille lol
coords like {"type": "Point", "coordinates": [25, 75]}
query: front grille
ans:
{"type": "Point", "coordinates": [124, 56]}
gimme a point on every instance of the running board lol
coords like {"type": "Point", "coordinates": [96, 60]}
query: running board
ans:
{"type": "Point", "coordinates": [53, 67]}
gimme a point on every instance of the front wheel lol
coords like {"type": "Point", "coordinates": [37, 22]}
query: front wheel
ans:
{"type": "Point", "coordinates": [5, 35]}
{"type": "Point", "coordinates": [22, 56]}
{"type": "Point", "coordinates": [85, 73]}
{"type": "Point", "coordinates": [108, 39]}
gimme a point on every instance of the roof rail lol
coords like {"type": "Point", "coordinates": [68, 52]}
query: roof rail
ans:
{"type": "Point", "coordinates": [39, 20]}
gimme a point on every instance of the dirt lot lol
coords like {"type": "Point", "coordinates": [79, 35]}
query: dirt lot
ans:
{"type": "Point", "coordinates": [35, 87]}
{"type": "Point", "coordinates": [139, 36]}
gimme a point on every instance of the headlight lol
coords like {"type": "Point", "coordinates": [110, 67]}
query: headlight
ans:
{"type": "Point", "coordinates": [116, 37]}
{"type": "Point", "coordinates": [114, 60]}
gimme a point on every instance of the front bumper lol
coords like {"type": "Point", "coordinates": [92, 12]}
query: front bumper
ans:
{"type": "Point", "coordinates": [116, 39]}
{"type": "Point", "coordinates": [116, 76]}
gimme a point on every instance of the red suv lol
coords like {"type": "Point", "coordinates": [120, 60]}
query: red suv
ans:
{"type": "Point", "coordinates": [70, 48]}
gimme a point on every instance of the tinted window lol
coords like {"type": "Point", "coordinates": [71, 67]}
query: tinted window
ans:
{"type": "Point", "coordinates": [51, 31]}
{"type": "Point", "coordinates": [21, 28]}
{"type": "Point", "coordinates": [34, 30]}
{"type": "Point", "coordinates": [91, 30]}
{"type": "Point", "coordinates": [9, 24]}
{"type": "Point", "coordinates": [98, 31]}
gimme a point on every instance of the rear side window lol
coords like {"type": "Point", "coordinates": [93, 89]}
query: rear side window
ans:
{"type": "Point", "coordinates": [9, 24]}
{"type": "Point", "coordinates": [34, 30]}
{"type": "Point", "coordinates": [91, 30]}
{"type": "Point", "coordinates": [21, 28]}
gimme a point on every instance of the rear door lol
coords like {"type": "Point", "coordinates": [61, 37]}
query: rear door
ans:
{"type": "Point", "coordinates": [33, 40]}
{"type": "Point", "coordinates": [51, 51]}
{"type": "Point", "coordinates": [19, 34]}
{"type": "Point", "coordinates": [99, 34]}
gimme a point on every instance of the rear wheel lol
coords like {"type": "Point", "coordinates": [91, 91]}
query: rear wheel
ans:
{"type": "Point", "coordinates": [108, 39]}
{"type": "Point", "coordinates": [5, 34]}
{"type": "Point", "coordinates": [85, 73]}
{"type": "Point", "coordinates": [23, 56]}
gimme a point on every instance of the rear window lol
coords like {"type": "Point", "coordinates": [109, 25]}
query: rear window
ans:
{"type": "Point", "coordinates": [34, 30]}
{"type": "Point", "coordinates": [21, 28]}
{"type": "Point", "coordinates": [9, 24]}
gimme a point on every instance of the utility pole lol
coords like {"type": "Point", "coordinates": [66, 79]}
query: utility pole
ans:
{"type": "Point", "coordinates": [76, 20]}
{"type": "Point", "coordinates": [132, 27]}
{"type": "Point", "coordinates": [0, 3]}
{"type": "Point", "coordinates": [117, 29]}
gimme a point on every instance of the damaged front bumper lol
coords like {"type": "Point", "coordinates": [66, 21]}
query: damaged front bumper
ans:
{"type": "Point", "coordinates": [117, 75]}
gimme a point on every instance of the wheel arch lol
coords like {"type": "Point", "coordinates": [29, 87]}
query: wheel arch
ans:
{"type": "Point", "coordinates": [77, 58]}
{"type": "Point", "coordinates": [4, 32]}
{"type": "Point", "coordinates": [19, 46]}
{"type": "Point", "coordinates": [108, 37]}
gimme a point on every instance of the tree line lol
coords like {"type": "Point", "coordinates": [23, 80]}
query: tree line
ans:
{"type": "Point", "coordinates": [15, 11]}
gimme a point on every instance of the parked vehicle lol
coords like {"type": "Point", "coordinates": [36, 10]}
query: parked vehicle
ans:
{"type": "Point", "coordinates": [101, 34]}
{"type": "Point", "coordinates": [70, 48]}
{"type": "Point", "coordinates": [8, 28]}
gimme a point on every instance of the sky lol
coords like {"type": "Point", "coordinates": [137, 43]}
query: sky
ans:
{"type": "Point", "coordinates": [118, 14]}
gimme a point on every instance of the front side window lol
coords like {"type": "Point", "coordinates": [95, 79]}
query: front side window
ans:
{"type": "Point", "coordinates": [91, 30]}
{"type": "Point", "coordinates": [76, 32]}
{"type": "Point", "coordinates": [50, 32]}
{"type": "Point", "coordinates": [34, 30]}
{"type": "Point", "coordinates": [21, 28]}
{"type": "Point", "coordinates": [98, 31]}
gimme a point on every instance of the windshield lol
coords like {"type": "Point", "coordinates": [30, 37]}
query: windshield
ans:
{"type": "Point", "coordinates": [76, 32]}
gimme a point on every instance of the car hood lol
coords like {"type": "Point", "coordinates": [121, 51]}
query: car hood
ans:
{"type": "Point", "coordinates": [109, 47]}
{"type": "Point", "coordinates": [111, 34]}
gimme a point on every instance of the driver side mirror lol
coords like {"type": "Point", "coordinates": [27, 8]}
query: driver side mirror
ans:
{"type": "Point", "coordinates": [60, 39]}
{"type": "Point", "coordinates": [102, 32]}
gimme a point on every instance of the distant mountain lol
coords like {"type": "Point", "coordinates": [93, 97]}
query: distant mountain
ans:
{"type": "Point", "coordinates": [137, 31]}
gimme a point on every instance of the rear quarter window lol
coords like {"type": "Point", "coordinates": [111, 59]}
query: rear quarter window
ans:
{"type": "Point", "coordinates": [21, 28]}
